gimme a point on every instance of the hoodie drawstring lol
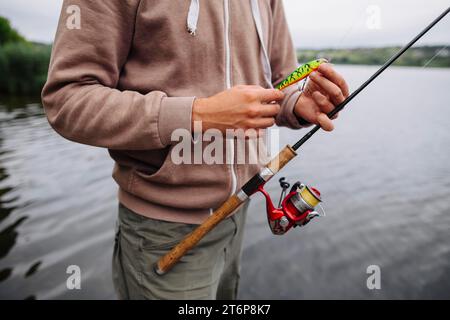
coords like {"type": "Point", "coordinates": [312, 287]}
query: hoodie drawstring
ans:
{"type": "Point", "coordinates": [264, 55]}
{"type": "Point", "coordinates": [192, 18]}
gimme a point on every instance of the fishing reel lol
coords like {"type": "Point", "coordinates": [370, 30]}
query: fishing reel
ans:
{"type": "Point", "coordinates": [297, 208]}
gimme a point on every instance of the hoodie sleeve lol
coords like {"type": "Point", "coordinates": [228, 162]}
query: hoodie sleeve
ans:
{"type": "Point", "coordinates": [80, 97]}
{"type": "Point", "coordinates": [283, 61]}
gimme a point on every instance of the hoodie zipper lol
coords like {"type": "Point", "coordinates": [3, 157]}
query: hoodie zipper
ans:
{"type": "Point", "coordinates": [226, 5]}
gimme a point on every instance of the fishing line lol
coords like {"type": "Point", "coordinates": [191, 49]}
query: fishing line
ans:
{"type": "Point", "coordinates": [341, 106]}
{"type": "Point", "coordinates": [433, 57]}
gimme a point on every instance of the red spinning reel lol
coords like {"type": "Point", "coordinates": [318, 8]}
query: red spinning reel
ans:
{"type": "Point", "coordinates": [296, 209]}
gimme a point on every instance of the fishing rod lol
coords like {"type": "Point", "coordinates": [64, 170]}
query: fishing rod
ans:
{"type": "Point", "coordinates": [298, 207]}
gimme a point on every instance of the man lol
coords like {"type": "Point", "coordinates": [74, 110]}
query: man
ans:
{"type": "Point", "coordinates": [132, 73]}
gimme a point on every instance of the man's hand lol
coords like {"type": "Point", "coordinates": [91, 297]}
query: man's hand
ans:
{"type": "Point", "coordinates": [241, 107]}
{"type": "Point", "coordinates": [325, 90]}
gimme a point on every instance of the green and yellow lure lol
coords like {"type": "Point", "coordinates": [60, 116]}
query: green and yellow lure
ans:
{"type": "Point", "coordinates": [301, 73]}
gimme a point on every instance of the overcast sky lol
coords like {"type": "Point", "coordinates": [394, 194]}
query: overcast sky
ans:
{"type": "Point", "coordinates": [313, 23]}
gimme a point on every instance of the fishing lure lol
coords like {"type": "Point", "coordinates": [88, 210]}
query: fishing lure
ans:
{"type": "Point", "coordinates": [301, 73]}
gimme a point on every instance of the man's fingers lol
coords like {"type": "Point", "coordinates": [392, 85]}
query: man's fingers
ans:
{"type": "Point", "coordinates": [332, 90]}
{"type": "Point", "coordinates": [269, 110]}
{"type": "Point", "coordinates": [269, 95]}
{"type": "Point", "coordinates": [330, 73]}
{"type": "Point", "coordinates": [254, 133]}
{"type": "Point", "coordinates": [325, 122]}
{"type": "Point", "coordinates": [258, 110]}
{"type": "Point", "coordinates": [324, 104]}
{"type": "Point", "coordinates": [261, 123]}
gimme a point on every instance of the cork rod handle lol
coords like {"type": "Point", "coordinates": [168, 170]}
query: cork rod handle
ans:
{"type": "Point", "coordinates": [173, 256]}
{"type": "Point", "coordinates": [166, 262]}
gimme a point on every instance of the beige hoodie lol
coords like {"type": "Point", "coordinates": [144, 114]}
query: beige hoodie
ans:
{"type": "Point", "coordinates": [127, 78]}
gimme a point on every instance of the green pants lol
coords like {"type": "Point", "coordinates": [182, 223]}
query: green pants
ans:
{"type": "Point", "coordinates": [208, 271]}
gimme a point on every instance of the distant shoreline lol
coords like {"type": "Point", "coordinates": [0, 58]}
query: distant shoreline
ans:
{"type": "Point", "coordinates": [429, 56]}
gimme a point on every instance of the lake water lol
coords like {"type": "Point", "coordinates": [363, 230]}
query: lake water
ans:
{"type": "Point", "coordinates": [384, 174]}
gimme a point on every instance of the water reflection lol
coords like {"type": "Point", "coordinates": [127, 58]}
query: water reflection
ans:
{"type": "Point", "coordinates": [8, 237]}
{"type": "Point", "coordinates": [33, 269]}
{"type": "Point", "coordinates": [8, 234]}
{"type": "Point", "coordinates": [8, 204]}
{"type": "Point", "coordinates": [5, 273]}
{"type": "Point", "coordinates": [57, 208]}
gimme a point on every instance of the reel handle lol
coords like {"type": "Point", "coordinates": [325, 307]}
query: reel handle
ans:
{"type": "Point", "coordinates": [284, 185]}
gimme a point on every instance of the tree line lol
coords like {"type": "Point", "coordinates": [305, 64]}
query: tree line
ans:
{"type": "Point", "coordinates": [23, 64]}
{"type": "Point", "coordinates": [430, 56]}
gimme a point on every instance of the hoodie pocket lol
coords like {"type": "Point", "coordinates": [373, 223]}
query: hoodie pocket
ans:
{"type": "Point", "coordinates": [183, 186]}
{"type": "Point", "coordinates": [160, 174]}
